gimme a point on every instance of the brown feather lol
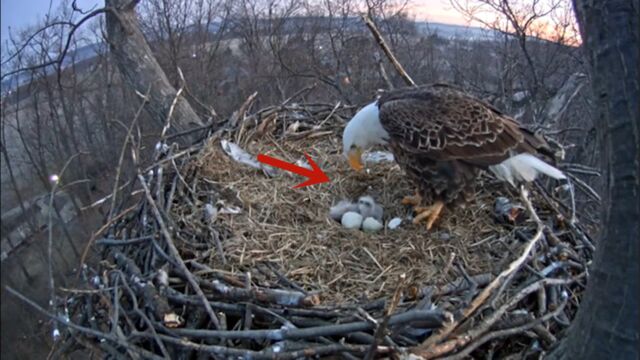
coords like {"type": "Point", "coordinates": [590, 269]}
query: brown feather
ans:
{"type": "Point", "coordinates": [442, 136]}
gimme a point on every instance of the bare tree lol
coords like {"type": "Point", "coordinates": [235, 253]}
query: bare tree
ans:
{"type": "Point", "coordinates": [529, 62]}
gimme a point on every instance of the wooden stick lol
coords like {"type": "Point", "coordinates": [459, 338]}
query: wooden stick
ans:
{"type": "Point", "coordinates": [387, 51]}
{"type": "Point", "coordinates": [276, 296]}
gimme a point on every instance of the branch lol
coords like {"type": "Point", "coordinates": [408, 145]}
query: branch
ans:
{"type": "Point", "coordinates": [396, 64]}
{"type": "Point", "coordinates": [60, 58]}
{"type": "Point", "coordinates": [276, 296]}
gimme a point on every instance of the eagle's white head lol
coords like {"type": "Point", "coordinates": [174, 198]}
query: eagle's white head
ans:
{"type": "Point", "coordinates": [363, 131]}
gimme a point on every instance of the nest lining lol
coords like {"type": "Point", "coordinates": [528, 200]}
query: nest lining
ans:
{"type": "Point", "coordinates": [291, 228]}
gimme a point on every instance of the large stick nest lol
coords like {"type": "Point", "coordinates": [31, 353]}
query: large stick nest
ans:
{"type": "Point", "coordinates": [281, 279]}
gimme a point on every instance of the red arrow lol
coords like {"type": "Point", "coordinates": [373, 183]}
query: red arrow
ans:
{"type": "Point", "coordinates": [316, 176]}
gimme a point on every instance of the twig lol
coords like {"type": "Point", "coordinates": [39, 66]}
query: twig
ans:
{"type": "Point", "coordinates": [167, 123]}
{"type": "Point", "coordinates": [52, 286]}
{"type": "Point", "coordinates": [461, 284]}
{"type": "Point", "coordinates": [283, 279]}
{"type": "Point", "coordinates": [496, 315]}
{"type": "Point", "coordinates": [239, 114]}
{"type": "Point", "coordinates": [572, 225]}
{"type": "Point", "coordinates": [383, 72]}
{"type": "Point", "coordinates": [127, 139]}
{"type": "Point", "coordinates": [328, 116]}
{"type": "Point", "coordinates": [546, 335]}
{"type": "Point", "coordinates": [585, 188]}
{"type": "Point", "coordinates": [472, 285]}
{"type": "Point", "coordinates": [151, 296]}
{"type": "Point", "coordinates": [248, 314]}
{"type": "Point", "coordinates": [542, 301]}
{"type": "Point", "coordinates": [236, 309]}
{"type": "Point", "coordinates": [216, 240]}
{"type": "Point", "coordinates": [60, 58]}
{"type": "Point", "coordinates": [298, 93]}
{"type": "Point", "coordinates": [276, 296]}
{"type": "Point", "coordinates": [119, 242]}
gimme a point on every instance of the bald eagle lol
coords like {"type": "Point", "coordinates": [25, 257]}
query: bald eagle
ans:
{"type": "Point", "coordinates": [442, 137]}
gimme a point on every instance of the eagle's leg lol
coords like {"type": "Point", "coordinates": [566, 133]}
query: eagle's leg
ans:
{"type": "Point", "coordinates": [413, 200]}
{"type": "Point", "coordinates": [431, 213]}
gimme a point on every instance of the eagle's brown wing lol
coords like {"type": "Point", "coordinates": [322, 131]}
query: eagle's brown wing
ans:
{"type": "Point", "coordinates": [442, 136]}
{"type": "Point", "coordinates": [442, 123]}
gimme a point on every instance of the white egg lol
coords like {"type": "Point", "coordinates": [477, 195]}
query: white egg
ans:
{"type": "Point", "coordinates": [394, 223]}
{"type": "Point", "coordinates": [351, 220]}
{"type": "Point", "coordinates": [371, 225]}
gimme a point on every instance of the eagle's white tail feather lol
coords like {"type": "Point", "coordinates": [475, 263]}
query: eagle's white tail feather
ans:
{"type": "Point", "coordinates": [524, 167]}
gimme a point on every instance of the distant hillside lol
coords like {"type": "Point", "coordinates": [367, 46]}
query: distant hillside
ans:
{"type": "Point", "coordinates": [76, 56]}
{"type": "Point", "coordinates": [451, 31]}
{"type": "Point", "coordinates": [293, 24]}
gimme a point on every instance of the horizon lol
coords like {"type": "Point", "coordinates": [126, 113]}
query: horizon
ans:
{"type": "Point", "coordinates": [18, 16]}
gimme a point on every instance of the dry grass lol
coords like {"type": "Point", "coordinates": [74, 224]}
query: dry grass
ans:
{"type": "Point", "coordinates": [291, 227]}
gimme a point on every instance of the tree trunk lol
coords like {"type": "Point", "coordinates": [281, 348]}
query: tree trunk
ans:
{"type": "Point", "coordinates": [140, 68]}
{"type": "Point", "coordinates": [606, 326]}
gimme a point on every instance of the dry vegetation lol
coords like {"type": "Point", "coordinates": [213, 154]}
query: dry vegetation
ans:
{"type": "Point", "coordinates": [292, 230]}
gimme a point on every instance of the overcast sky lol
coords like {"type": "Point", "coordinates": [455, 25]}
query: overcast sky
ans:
{"type": "Point", "coordinates": [17, 14]}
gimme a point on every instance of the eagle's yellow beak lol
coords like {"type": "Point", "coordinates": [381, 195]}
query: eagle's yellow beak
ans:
{"type": "Point", "coordinates": [355, 158]}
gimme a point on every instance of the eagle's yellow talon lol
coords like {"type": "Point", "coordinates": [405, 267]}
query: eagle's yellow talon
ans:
{"type": "Point", "coordinates": [431, 213]}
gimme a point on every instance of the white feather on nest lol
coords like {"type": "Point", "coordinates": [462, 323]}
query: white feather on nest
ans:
{"type": "Point", "coordinates": [240, 155]}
